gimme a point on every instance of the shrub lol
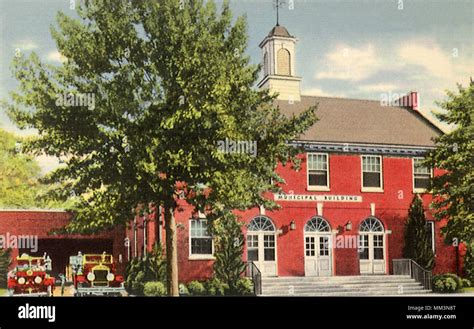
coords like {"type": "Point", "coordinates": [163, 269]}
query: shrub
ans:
{"type": "Point", "coordinates": [183, 290]}
{"type": "Point", "coordinates": [469, 262]}
{"type": "Point", "coordinates": [466, 283]}
{"type": "Point", "coordinates": [142, 270]}
{"type": "Point", "coordinates": [154, 289]}
{"type": "Point", "coordinates": [196, 288]}
{"type": "Point", "coordinates": [457, 279]}
{"type": "Point", "coordinates": [214, 287]}
{"type": "Point", "coordinates": [229, 246]}
{"type": "Point", "coordinates": [244, 287]}
{"type": "Point", "coordinates": [445, 283]}
{"type": "Point", "coordinates": [417, 239]}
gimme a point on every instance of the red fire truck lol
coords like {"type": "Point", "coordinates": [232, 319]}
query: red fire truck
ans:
{"type": "Point", "coordinates": [95, 274]}
{"type": "Point", "coordinates": [31, 277]}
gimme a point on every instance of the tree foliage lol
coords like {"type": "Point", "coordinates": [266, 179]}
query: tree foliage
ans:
{"type": "Point", "coordinates": [170, 80]}
{"type": "Point", "coordinates": [19, 174]}
{"type": "Point", "coordinates": [5, 261]}
{"type": "Point", "coordinates": [229, 248]}
{"type": "Point", "coordinates": [454, 154]}
{"type": "Point", "coordinates": [417, 239]}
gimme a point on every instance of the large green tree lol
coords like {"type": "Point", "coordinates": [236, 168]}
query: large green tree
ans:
{"type": "Point", "coordinates": [417, 239]}
{"type": "Point", "coordinates": [454, 154]}
{"type": "Point", "coordinates": [170, 80]}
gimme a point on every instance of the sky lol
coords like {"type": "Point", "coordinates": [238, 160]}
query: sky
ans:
{"type": "Point", "coordinates": [346, 48]}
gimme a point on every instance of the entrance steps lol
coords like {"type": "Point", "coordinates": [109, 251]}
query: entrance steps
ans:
{"type": "Point", "coordinates": [362, 285]}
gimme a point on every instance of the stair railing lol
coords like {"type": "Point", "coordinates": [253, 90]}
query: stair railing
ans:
{"type": "Point", "coordinates": [254, 273]}
{"type": "Point", "coordinates": [409, 267]}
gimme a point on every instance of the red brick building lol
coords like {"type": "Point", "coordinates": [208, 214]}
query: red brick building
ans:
{"type": "Point", "coordinates": [33, 227]}
{"type": "Point", "coordinates": [343, 213]}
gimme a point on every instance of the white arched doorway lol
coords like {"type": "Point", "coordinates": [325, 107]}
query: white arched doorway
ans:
{"type": "Point", "coordinates": [318, 247]}
{"type": "Point", "coordinates": [372, 246]}
{"type": "Point", "coordinates": [261, 245]}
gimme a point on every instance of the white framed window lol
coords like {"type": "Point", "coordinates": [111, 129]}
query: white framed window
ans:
{"type": "Point", "coordinates": [318, 171]}
{"type": "Point", "coordinates": [200, 241]}
{"type": "Point", "coordinates": [372, 175]}
{"type": "Point", "coordinates": [430, 227]}
{"type": "Point", "coordinates": [421, 175]}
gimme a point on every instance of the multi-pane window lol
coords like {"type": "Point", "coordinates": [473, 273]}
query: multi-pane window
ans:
{"type": "Point", "coordinates": [364, 247]}
{"type": "Point", "coordinates": [269, 247]}
{"type": "Point", "coordinates": [371, 171]}
{"type": "Point", "coordinates": [323, 246]}
{"type": "Point", "coordinates": [310, 246]}
{"type": "Point", "coordinates": [421, 175]}
{"type": "Point", "coordinates": [252, 247]}
{"type": "Point", "coordinates": [201, 240]}
{"type": "Point", "coordinates": [318, 173]}
{"type": "Point", "coordinates": [378, 246]}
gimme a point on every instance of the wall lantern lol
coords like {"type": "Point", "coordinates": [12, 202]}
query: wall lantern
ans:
{"type": "Point", "coordinates": [292, 225]}
{"type": "Point", "coordinates": [349, 226]}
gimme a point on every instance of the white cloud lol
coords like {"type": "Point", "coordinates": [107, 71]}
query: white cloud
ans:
{"type": "Point", "coordinates": [350, 63]}
{"type": "Point", "coordinates": [55, 56]}
{"type": "Point", "coordinates": [429, 56]}
{"type": "Point", "coordinates": [379, 87]}
{"type": "Point", "coordinates": [319, 92]}
{"type": "Point", "coordinates": [25, 45]}
{"type": "Point", "coordinates": [413, 64]}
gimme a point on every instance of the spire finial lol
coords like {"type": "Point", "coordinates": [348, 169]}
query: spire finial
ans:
{"type": "Point", "coordinates": [278, 4]}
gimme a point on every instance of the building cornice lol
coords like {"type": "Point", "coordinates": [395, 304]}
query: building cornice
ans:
{"type": "Point", "coordinates": [406, 150]}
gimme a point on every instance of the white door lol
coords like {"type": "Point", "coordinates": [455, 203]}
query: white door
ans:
{"type": "Point", "coordinates": [261, 245]}
{"type": "Point", "coordinates": [318, 247]}
{"type": "Point", "coordinates": [318, 258]}
{"type": "Point", "coordinates": [372, 247]}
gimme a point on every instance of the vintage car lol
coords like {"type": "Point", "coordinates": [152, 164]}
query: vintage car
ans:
{"type": "Point", "coordinates": [95, 274]}
{"type": "Point", "coordinates": [31, 277]}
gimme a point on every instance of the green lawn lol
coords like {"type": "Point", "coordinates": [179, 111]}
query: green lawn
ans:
{"type": "Point", "coordinates": [3, 292]}
{"type": "Point", "coordinates": [469, 290]}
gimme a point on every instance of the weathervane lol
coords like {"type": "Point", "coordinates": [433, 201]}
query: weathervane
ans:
{"type": "Point", "coordinates": [277, 5]}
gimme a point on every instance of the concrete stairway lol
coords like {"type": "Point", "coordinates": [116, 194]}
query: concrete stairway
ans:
{"type": "Point", "coordinates": [376, 285]}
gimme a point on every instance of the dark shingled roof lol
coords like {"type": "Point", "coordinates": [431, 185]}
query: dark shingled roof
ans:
{"type": "Point", "coordinates": [363, 121]}
{"type": "Point", "coordinates": [279, 31]}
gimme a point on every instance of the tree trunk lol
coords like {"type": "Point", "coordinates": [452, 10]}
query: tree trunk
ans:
{"type": "Point", "coordinates": [171, 251]}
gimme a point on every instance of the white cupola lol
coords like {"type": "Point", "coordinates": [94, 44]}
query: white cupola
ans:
{"type": "Point", "coordinates": [278, 49]}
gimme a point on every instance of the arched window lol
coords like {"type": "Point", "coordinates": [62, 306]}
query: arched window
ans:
{"type": "Point", "coordinates": [371, 224]}
{"type": "Point", "coordinates": [317, 224]}
{"type": "Point", "coordinates": [261, 223]}
{"type": "Point", "coordinates": [283, 62]}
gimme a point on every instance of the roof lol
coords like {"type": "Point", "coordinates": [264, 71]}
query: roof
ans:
{"type": "Point", "coordinates": [344, 120]}
{"type": "Point", "coordinates": [279, 31]}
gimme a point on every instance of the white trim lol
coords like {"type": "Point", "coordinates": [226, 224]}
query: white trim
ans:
{"type": "Point", "coordinates": [202, 257]}
{"type": "Point", "coordinates": [319, 208]}
{"type": "Point", "coordinates": [192, 256]}
{"type": "Point", "coordinates": [408, 147]}
{"type": "Point", "coordinates": [370, 189]}
{"type": "Point", "coordinates": [318, 189]}
{"type": "Point", "coordinates": [432, 224]}
{"type": "Point", "coordinates": [415, 189]}
{"type": "Point", "coordinates": [326, 187]}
